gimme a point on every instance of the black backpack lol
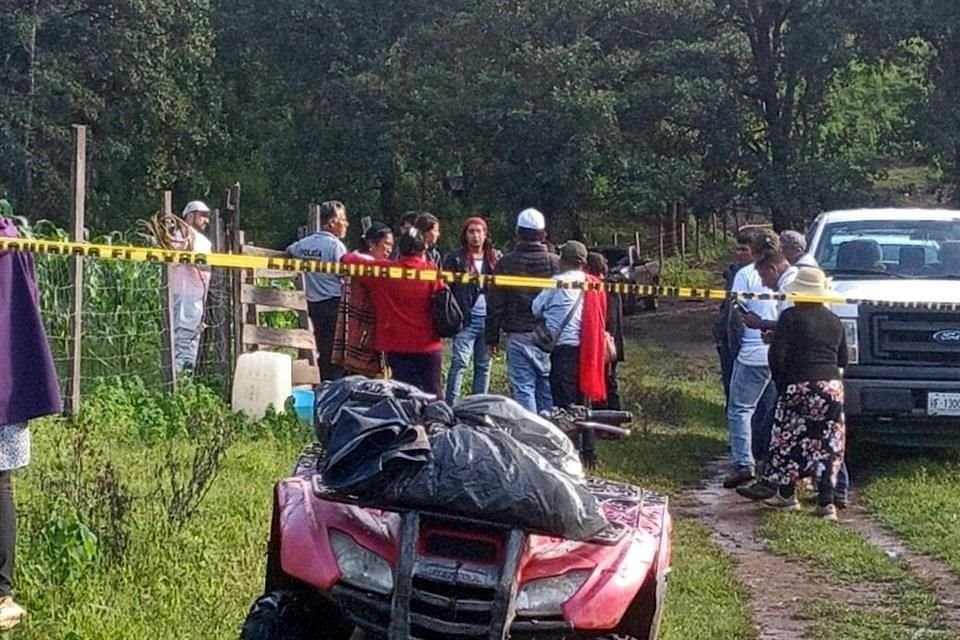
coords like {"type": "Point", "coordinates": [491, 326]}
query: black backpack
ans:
{"type": "Point", "coordinates": [448, 317]}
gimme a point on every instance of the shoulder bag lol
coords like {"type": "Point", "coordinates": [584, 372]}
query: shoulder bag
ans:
{"type": "Point", "coordinates": [546, 340]}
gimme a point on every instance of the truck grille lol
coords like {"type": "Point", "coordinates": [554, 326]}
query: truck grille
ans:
{"type": "Point", "coordinates": [908, 337]}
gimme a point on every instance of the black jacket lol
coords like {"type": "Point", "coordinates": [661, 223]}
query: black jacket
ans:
{"type": "Point", "coordinates": [809, 344]}
{"type": "Point", "coordinates": [508, 308]}
{"type": "Point", "coordinates": [466, 294]}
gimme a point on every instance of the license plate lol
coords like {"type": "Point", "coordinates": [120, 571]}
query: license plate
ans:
{"type": "Point", "coordinates": [943, 404]}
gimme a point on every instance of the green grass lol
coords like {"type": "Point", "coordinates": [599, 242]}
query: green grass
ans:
{"type": "Point", "coordinates": [705, 600]}
{"type": "Point", "coordinates": [837, 552]}
{"type": "Point", "coordinates": [834, 621]}
{"type": "Point", "coordinates": [681, 409]}
{"type": "Point", "coordinates": [920, 500]}
{"type": "Point", "coordinates": [198, 581]}
{"type": "Point", "coordinates": [904, 608]}
{"type": "Point", "coordinates": [195, 583]}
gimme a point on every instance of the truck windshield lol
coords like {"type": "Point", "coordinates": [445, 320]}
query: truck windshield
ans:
{"type": "Point", "coordinates": [905, 248]}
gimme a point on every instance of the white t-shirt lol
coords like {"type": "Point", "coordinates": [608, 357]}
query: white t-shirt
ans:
{"type": "Point", "coordinates": [753, 351]}
{"type": "Point", "coordinates": [480, 306]}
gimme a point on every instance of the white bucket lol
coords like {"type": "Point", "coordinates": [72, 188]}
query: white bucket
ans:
{"type": "Point", "coordinates": [261, 379]}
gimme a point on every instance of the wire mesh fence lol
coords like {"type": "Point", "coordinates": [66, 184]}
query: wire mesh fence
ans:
{"type": "Point", "coordinates": [122, 329]}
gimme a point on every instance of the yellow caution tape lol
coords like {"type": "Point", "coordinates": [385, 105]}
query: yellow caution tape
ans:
{"type": "Point", "coordinates": [296, 265]}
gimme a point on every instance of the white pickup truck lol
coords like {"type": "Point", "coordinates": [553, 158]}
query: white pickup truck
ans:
{"type": "Point", "coordinates": [903, 380]}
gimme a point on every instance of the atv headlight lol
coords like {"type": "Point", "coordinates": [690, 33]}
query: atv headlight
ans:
{"type": "Point", "coordinates": [545, 597]}
{"type": "Point", "coordinates": [360, 567]}
{"type": "Point", "coordinates": [851, 332]}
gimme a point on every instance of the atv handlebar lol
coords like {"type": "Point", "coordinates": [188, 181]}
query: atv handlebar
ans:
{"type": "Point", "coordinates": [603, 431]}
{"type": "Point", "coordinates": [609, 417]}
{"type": "Point", "coordinates": [604, 423]}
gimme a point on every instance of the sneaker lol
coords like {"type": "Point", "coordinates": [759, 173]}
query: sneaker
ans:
{"type": "Point", "coordinates": [737, 477]}
{"type": "Point", "coordinates": [759, 490]}
{"type": "Point", "coordinates": [10, 613]}
{"type": "Point", "coordinates": [840, 503]}
{"type": "Point", "coordinates": [828, 512]}
{"type": "Point", "coordinates": [777, 501]}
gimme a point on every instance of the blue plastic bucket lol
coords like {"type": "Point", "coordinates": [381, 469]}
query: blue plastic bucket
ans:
{"type": "Point", "coordinates": [303, 404]}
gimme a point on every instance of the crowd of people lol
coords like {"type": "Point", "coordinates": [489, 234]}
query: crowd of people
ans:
{"type": "Point", "coordinates": [782, 375]}
{"type": "Point", "coordinates": [561, 345]}
{"type": "Point", "coordinates": [781, 363]}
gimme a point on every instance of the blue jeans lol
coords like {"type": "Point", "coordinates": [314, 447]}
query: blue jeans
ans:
{"type": "Point", "coordinates": [528, 370]}
{"type": "Point", "coordinates": [762, 422]}
{"type": "Point", "coordinates": [469, 344]}
{"type": "Point", "coordinates": [747, 386]}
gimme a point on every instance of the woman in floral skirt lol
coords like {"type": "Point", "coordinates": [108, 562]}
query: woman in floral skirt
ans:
{"type": "Point", "coordinates": [808, 351]}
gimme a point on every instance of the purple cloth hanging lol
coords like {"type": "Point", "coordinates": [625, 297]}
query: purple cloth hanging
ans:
{"type": "Point", "coordinates": [28, 380]}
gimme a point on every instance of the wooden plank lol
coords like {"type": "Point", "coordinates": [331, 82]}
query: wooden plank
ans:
{"type": "Point", "coordinates": [168, 370]}
{"type": "Point", "coordinates": [274, 274]}
{"type": "Point", "coordinates": [305, 372]}
{"type": "Point", "coordinates": [270, 337]}
{"type": "Point", "coordinates": [278, 299]}
{"type": "Point", "coordinates": [78, 177]}
{"type": "Point", "coordinates": [303, 320]}
{"type": "Point", "coordinates": [252, 250]}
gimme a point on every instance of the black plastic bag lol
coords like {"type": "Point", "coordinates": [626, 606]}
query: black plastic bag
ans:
{"type": "Point", "coordinates": [485, 473]}
{"type": "Point", "coordinates": [527, 427]}
{"type": "Point", "coordinates": [372, 447]}
{"type": "Point", "coordinates": [361, 393]}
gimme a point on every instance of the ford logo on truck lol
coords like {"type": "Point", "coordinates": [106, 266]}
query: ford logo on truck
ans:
{"type": "Point", "coordinates": [947, 336]}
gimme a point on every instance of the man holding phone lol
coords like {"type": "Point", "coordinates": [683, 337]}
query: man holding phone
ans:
{"type": "Point", "coordinates": [750, 379]}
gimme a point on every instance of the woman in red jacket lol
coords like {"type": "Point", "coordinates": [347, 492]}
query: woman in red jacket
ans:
{"type": "Point", "coordinates": [405, 330]}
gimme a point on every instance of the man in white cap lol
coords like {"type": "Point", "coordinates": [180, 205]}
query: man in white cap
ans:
{"type": "Point", "coordinates": [190, 284]}
{"type": "Point", "coordinates": [509, 311]}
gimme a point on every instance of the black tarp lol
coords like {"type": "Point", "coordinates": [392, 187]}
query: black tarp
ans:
{"type": "Point", "coordinates": [390, 444]}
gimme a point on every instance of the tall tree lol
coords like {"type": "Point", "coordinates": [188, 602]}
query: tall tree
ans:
{"type": "Point", "coordinates": [792, 50]}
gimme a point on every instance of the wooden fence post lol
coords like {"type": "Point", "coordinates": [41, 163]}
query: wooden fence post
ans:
{"type": "Point", "coordinates": [696, 235]}
{"type": "Point", "coordinates": [660, 236]}
{"type": "Point", "coordinates": [78, 193]}
{"type": "Point", "coordinates": [235, 238]}
{"type": "Point", "coordinates": [675, 214]}
{"type": "Point", "coordinates": [683, 235]}
{"type": "Point", "coordinates": [168, 369]}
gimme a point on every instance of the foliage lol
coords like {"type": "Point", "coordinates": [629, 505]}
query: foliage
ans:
{"type": "Point", "coordinates": [612, 109]}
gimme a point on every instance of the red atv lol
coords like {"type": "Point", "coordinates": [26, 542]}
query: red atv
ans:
{"type": "Point", "coordinates": [338, 569]}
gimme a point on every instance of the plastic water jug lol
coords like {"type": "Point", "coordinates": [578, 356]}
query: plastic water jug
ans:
{"type": "Point", "coordinates": [261, 379]}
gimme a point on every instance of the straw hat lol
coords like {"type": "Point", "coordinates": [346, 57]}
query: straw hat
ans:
{"type": "Point", "coordinates": [810, 281]}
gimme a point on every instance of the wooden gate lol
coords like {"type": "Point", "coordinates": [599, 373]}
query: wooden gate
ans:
{"type": "Point", "coordinates": [257, 297]}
